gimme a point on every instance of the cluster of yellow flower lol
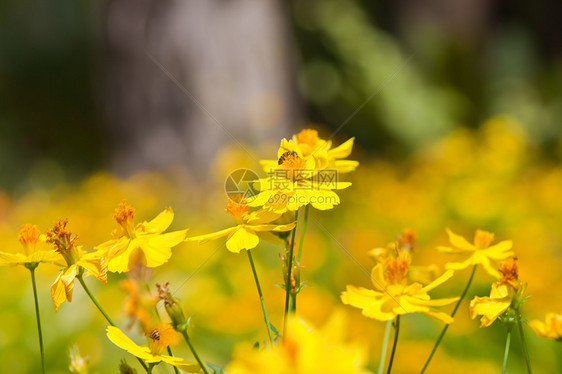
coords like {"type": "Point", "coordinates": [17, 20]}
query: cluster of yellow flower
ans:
{"type": "Point", "coordinates": [306, 173]}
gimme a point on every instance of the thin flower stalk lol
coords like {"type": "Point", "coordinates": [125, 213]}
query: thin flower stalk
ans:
{"type": "Point", "coordinates": [506, 353]}
{"type": "Point", "coordinates": [384, 346]}
{"type": "Point", "coordinates": [289, 270]}
{"type": "Point", "coordinates": [447, 325]}
{"type": "Point", "coordinates": [396, 331]}
{"type": "Point", "coordinates": [265, 317]}
{"type": "Point", "coordinates": [193, 351]}
{"type": "Point", "coordinates": [31, 267]}
{"type": "Point", "coordinates": [524, 344]}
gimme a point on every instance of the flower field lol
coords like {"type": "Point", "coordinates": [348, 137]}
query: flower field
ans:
{"type": "Point", "coordinates": [445, 261]}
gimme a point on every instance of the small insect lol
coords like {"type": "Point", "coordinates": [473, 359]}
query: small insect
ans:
{"type": "Point", "coordinates": [155, 335]}
{"type": "Point", "coordinates": [285, 155]}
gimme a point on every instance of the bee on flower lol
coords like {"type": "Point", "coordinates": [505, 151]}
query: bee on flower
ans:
{"type": "Point", "coordinates": [296, 180]}
{"type": "Point", "coordinates": [160, 337]}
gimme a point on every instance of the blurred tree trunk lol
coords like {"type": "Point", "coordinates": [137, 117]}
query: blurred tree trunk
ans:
{"type": "Point", "coordinates": [233, 56]}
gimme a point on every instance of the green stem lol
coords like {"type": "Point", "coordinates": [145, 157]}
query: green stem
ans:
{"type": "Point", "coordinates": [524, 344]}
{"type": "Point", "coordinates": [384, 345]}
{"type": "Point", "coordinates": [261, 297]}
{"type": "Point", "coordinates": [85, 287]}
{"type": "Point", "coordinates": [397, 329]}
{"type": "Point", "coordinates": [289, 271]}
{"type": "Point", "coordinates": [149, 369]}
{"type": "Point", "coordinates": [31, 268]}
{"type": "Point", "coordinates": [303, 231]}
{"type": "Point", "coordinates": [447, 325]}
{"type": "Point", "coordinates": [506, 353]}
{"type": "Point", "coordinates": [176, 370]}
{"type": "Point", "coordinates": [186, 337]}
{"type": "Point", "coordinates": [81, 280]}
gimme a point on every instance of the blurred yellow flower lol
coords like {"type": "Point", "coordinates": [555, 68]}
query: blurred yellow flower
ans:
{"type": "Point", "coordinates": [250, 227]}
{"type": "Point", "coordinates": [144, 243]}
{"type": "Point", "coordinates": [302, 351]}
{"type": "Point", "coordinates": [75, 258]}
{"type": "Point", "coordinates": [297, 181]}
{"type": "Point", "coordinates": [501, 297]}
{"type": "Point", "coordinates": [393, 295]}
{"type": "Point", "coordinates": [161, 337]}
{"type": "Point", "coordinates": [29, 236]}
{"type": "Point", "coordinates": [551, 328]}
{"type": "Point", "coordinates": [478, 253]}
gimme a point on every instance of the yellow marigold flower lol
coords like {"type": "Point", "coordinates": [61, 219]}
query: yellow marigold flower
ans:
{"type": "Point", "coordinates": [394, 295]}
{"type": "Point", "coordinates": [297, 181]}
{"type": "Point", "coordinates": [302, 351]}
{"type": "Point", "coordinates": [250, 227]}
{"type": "Point", "coordinates": [505, 293]}
{"type": "Point", "coordinates": [75, 258]}
{"type": "Point", "coordinates": [478, 253]}
{"type": "Point", "coordinates": [29, 236]}
{"type": "Point", "coordinates": [160, 337]}
{"type": "Point", "coordinates": [551, 328]}
{"type": "Point", "coordinates": [144, 243]}
{"type": "Point", "coordinates": [311, 145]}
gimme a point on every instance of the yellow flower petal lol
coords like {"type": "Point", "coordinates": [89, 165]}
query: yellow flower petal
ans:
{"type": "Point", "coordinates": [440, 280]}
{"type": "Point", "coordinates": [459, 242]}
{"type": "Point", "coordinates": [242, 239]}
{"type": "Point", "coordinates": [11, 258]}
{"type": "Point", "coordinates": [160, 223]}
{"type": "Point", "coordinates": [212, 236]}
{"type": "Point", "coordinates": [343, 150]}
{"type": "Point", "coordinates": [121, 340]}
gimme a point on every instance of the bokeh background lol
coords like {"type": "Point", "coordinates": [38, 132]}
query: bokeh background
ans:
{"type": "Point", "coordinates": [455, 107]}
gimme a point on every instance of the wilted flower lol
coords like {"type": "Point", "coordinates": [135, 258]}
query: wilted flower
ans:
{"type": "Point", "coordinates": [76, 259]}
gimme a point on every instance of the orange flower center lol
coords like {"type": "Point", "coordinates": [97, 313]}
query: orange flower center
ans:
{"type": "Point", "coordinates": [407, 239]}
{"type": "Point", "coordinates": [124, 215]}
{"type": "Point", "coordinates": [28, 236]}
{"type": "Point", "coordinates": [63, 241]}
{"type": "Point", "coordinates": [309, 138]}
{"type": "Point", "coordinates": [162, 336]}
{"type": "Point", "coordinates": [238, 210]}
{"type": "Point", "coordinates": [482, 239]}
{"type": "Point", "coordinates": [396, 268]}
{"type": "Point", "coordinates": [510, 273]}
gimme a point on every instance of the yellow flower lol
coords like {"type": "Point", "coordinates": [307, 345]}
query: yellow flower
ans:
{"type": "Point", "coordinates": [551, 328]}
{"type": "Point", "coordinates": [297, 181]}
{"type": "Point", "coordinates": [302, 351]}
{"type": "Point", "coordinates": [394, 295]}
{"type": "Point", "coordinates": [75, 258]}
{"type": "Point", "coordinates": [504, 293]}
{"type": "Point", "coordinates": [138, 305]}
{"type": "Point", "coordinates": [160, 338]}
{"type": "Point", "coordinates": [144, 243]}
{"type": "Point", "coordinates": [311, 145]}
{"type": "Point", "coordinates": [478, 253]}
{"type": "Point", "coordinates": [250, 227]}
{"type": "Point", "coordinates": [29, 236]}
